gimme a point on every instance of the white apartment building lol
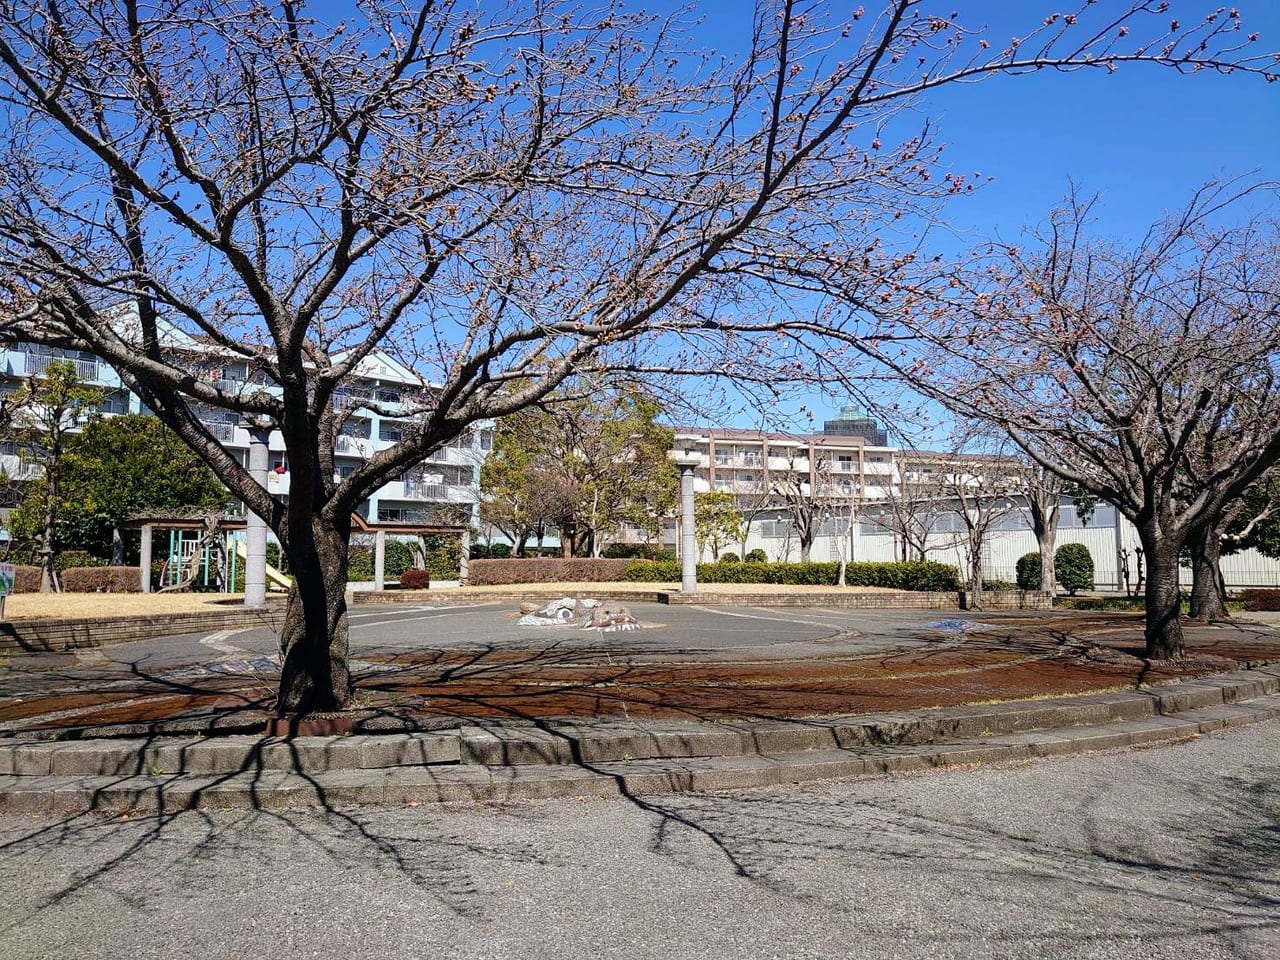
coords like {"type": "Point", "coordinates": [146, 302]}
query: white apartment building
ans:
{"type": "Point", "coordinates": [850, 471]}
{"type": "Point", "coordinates": [443, 488]}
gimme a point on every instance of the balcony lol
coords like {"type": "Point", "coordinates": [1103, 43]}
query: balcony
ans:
{"type": "Point", "coordinates": [356, 446]}
{"type": "Point", "coordinates": [37, 364]}
{"type": "Point", "coordinates": [222, 431]}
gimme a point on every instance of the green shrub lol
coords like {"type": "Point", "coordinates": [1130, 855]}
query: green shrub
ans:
{"type": "Point", "coordinates": [77, 558]}
{"type": "Point", "coordinates": [729, 557]}
{"type": "Point", "coordinates": [413, 579]}
{"type": "Point", "coordinates": [1029, 572]}
{"type": "Point", "coordinates": [637, 551]}
{"type": "Point", "coordinates": [443, 556]}
{"type": "Point", "coordinates": [998, 585]}
{"type": "Point", "coordinates": [1073, 567]}
{"type": "Point", "coordinates": [756, 556]}
{"type": "Point", "coordinates": [913, 575]}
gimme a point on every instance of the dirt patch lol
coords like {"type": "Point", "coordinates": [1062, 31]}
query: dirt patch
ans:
{"type": "Point", "coordinates": [1018, 660]}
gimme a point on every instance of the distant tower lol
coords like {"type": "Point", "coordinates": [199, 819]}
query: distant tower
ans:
{"type": "Point", "coordinates": [853, 422]}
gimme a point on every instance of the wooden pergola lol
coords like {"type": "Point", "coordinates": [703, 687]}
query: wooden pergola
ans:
{"type": "Point", "coordinates": [149, 523]}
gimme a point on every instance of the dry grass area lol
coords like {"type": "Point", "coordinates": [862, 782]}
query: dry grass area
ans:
{"type": "Point", "coordinates": [49, 606]}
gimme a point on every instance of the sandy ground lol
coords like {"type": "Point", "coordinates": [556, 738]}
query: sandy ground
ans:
{"type": "Point", "coordinates": [37, 606]}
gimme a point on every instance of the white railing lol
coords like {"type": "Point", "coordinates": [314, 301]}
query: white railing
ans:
{"type": "Point", "coordinates": [221, 430]}
{"type": "Point", "coordinates": [37, 364]}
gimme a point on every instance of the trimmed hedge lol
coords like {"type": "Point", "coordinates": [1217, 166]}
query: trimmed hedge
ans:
{"type": "Point", "coordinates": [912, 575]}
{"type": "Point", "coordinates": [1030, 571]}
{"type": "Point", "coordinates": [101, 580]}
{"type": "Point", "coordinates": [1259, 600]}
{"type": "Point", "coordinates": [27, 579]}
{"type": "Point", "coordinates": [415, 579]}
{"type": "Point", "coordinates": [548, 570]}
{"type": "Point", "coordinates": [1073, 568]}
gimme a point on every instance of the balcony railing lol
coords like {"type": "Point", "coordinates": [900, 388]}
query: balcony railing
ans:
{"type": "Point", "coordinates": [37, 365]}
{"type": "Point", "coordinates": [226, 432]}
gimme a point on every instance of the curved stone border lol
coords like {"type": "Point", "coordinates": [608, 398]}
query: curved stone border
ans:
{"type": "Point", "coordinates": [508, 762]}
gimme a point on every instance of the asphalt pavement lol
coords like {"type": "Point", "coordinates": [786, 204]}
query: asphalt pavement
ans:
{"type": "Point", "coordinates": [1171, 852]}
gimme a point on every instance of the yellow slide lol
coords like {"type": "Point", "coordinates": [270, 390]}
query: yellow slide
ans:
{"type": "Point", "coordinates": [275, 578]}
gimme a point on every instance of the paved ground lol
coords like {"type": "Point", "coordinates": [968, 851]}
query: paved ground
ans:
{"type": "Point", "coordinates": [705, 663]}
{"type": "Point", "coordinates": [1164, 853]}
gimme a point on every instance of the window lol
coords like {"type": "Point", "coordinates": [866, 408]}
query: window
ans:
{"type": "Point", "coordinates": [117, 401]}
{"type": "Point", "coordinates": [393, 430]}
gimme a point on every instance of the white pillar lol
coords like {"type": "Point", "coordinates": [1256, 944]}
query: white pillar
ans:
{"type": "Point", "coordinates": [144, 559]}
{"type": "Point", "coordinates": [379, 559]}
{"type": "Point", "coordinates": [255, 564]}
{"type": "Point", "coordinates": [688, 541]}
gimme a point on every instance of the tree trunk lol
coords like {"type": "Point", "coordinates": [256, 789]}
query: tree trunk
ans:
{"type": "Point", "coordinates": [1045, 540]}
{"type": "Point", "coordinates": [975, 581]}
{"type": "Point", "coordinates": [1163, 602]}
{"type": "Point", "coordinates": [1208, 590]}
{"type": "Point", "coordinates": [48, 573]}
{"type": "Point", "coordinates": [314, 677]}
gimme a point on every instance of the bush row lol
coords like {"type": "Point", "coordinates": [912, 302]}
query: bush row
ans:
{"type": "Point", "coordinates": [548, 570]}
{"type": "Point", "coordinates": [101, 580]}
{"type": "Point", "coordinates": [27, 578]}
{"type": "Point", "coordinates": [913, 575]}
{"type": "Point", "coordinates": [1258, 600]}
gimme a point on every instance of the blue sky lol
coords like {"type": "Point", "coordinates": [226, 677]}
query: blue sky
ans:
{"type": "Point", "coordinates": [1143, 138]}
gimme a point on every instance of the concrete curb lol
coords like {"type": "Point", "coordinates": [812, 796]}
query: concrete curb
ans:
{"type": "Point", "coordinates": [58, 636]}
{"type": "Point", "coordinates": [847, 598]}
{"type": "Point", "coordinates": [509, 762]}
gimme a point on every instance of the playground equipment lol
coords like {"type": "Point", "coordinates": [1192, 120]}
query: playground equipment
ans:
{"type": "Point", "coordinates": [197, 555]}
{"type": "Point", "coordinates": [275, 579]}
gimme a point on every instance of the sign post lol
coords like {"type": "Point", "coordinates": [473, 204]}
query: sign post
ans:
{"type": "Point", "coordinates": [8, 573]}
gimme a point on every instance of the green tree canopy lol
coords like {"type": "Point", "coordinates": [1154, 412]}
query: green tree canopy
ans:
{"type": "Point", "coordinates": [588, 464]}
{"type": "Point", "coordinates": [121, 466]}
{"type": "Point", "coordinates": [716, 521]}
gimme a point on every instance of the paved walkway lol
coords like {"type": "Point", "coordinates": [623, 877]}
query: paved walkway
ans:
{"type": "Point", "coordinates": [1151, 855]}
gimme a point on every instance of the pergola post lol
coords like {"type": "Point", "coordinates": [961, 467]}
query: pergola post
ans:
{"type": "Point", "coordinates": [379, 560]}
{"type": "Point", "coordinates": [144, 559]}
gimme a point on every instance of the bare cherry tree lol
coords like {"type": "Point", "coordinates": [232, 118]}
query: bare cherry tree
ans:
{"type": "Point", "coordinates": [1146, 376]}
{"type": "Point", "coordinates": [502, 194]}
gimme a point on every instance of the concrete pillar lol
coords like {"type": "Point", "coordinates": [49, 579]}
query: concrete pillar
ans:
{"type": "Point", "coordinates": [379, 560]}
{"type": "Point", "coordinates": [144, 559]}
{"type": "Point", "coordinates": [255, 564]}
{"type": "Point", "coordinates": [688, 542]}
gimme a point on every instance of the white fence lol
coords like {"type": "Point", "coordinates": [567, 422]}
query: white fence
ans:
{"type": "Point", "coordinates": [1000, 555]}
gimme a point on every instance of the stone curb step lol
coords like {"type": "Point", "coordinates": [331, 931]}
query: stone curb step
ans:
{"type": "Point", "coordinates": [610, 741]}
{"type": "Point", "coordinates": [277, 789]}
{"type": "Point", "coordinates": [505, 744]}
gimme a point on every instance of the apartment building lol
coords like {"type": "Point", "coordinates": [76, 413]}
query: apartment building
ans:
{"type": "Point", "coordinates": [853, 478]}
{"type": "Point", "coordinates": [443, 488]}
